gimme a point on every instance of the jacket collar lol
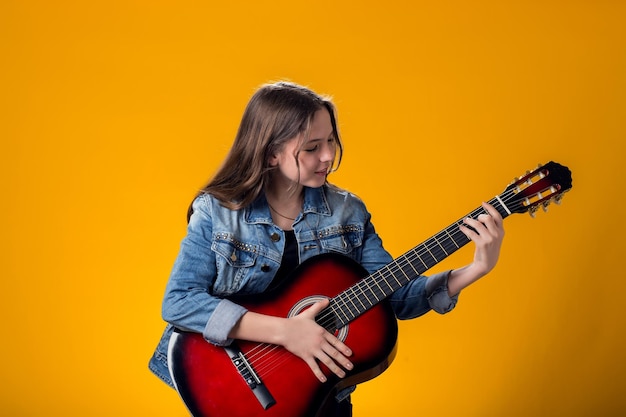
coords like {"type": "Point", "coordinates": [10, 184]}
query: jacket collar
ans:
{"type": "Point", "coordinates": [315, 201]}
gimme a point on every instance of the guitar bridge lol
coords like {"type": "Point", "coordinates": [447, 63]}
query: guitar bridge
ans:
{"type": "Point", "coordinates": [249, 375]}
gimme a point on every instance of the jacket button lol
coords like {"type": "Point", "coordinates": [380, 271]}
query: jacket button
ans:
{"type": "Point", "coordinates": [265, 268]}
{"type": "Point", "coordinates": [275, 237]}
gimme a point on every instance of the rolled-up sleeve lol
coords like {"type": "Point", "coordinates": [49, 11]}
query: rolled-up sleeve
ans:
{"type": "Point", "coordinates": [221, 322]}
{"type": "Point", "coordinates": [423, 294]}
{"type": "Point", "coordinates": [437, 293]}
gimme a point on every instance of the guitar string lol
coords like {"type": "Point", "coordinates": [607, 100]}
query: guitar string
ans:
{"type": "Point", "coordinates": [264, 360]}
{"type": "Point", "coordinates": [274, 359]}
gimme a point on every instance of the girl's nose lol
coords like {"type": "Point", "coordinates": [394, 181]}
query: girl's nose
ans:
{"type": "Point", "coordinates": [328, 152]}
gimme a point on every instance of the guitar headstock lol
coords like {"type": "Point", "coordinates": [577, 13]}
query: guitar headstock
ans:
{"type": "Point", "coordinates": [537, 188]}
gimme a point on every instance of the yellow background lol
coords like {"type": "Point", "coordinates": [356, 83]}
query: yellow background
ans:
{"type": "Point", "coordinates": [113, 113]}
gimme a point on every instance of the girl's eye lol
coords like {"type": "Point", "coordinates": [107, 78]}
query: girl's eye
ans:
{"type": "Point", "coordinates": [331, 141]}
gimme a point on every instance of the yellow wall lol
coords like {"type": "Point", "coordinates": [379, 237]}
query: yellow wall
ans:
{"type": "Point", "coordinates": [114, 112]}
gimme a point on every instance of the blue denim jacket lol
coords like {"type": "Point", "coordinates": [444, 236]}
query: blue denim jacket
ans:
{"type": "Point", "coordinates": [228, 252]}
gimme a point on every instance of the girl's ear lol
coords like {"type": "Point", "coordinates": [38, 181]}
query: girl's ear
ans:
{"type": "Point", "coordinates": [273, 161]}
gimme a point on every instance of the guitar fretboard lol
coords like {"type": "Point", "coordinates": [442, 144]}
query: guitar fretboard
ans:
{"type": "Point", "coordinates": [371, 290]}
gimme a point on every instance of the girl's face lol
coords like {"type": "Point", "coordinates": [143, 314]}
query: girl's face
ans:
{"type": "Point", "coordinates": [315, 155]}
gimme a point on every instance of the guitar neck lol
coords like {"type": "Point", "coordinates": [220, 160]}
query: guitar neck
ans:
{"type": "Point", "coordinates": [371, 290]}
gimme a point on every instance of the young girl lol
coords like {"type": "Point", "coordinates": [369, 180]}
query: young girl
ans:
{"type": "Point", "coordinates": [269, 208]}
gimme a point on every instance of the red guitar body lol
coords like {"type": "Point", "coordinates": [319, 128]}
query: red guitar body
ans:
{"type": "Point", "coordinates": [212, 384]}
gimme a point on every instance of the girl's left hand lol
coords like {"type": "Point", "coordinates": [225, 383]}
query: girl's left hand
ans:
{"type": "Point", "coordinates": [487, 236]}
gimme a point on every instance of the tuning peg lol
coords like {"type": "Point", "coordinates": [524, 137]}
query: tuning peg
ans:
{"type": "Point", "coordinates": [528, 178]}
{"type": "Point", "coordinates": [545, 205]}
{"type": "Point", "coordinates": [532, 210]}
{"type": "Point", "coordinates": [558, 198]}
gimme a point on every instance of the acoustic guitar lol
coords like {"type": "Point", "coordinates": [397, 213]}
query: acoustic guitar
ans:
{"type": "Point", "coordinates": [263, 380]}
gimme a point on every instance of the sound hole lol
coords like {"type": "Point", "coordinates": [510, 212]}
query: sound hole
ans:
{"type": "Point", "coordinates": [326, 318]}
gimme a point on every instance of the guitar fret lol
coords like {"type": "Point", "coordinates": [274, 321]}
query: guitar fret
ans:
{"type": "Point", "coordinates": [395, 278]}
{"type": "Point", "coordinates": [499, 200]}
{"type": "Point", "coordinates": [351, 302]}
{"type": "Point", "coordinates": [359, 299]}
{"type": "Point", "coordinates": [431, 254]}
{"type": "Point", "coordinates": [373, 299]}
{"type": "Point", "coordinates": [430, 260]}
{"type": "Point", "coordinates": [438, 254]}
{"type": "Point", "coordinates": [451, 248]}
{"type": "Point", "coordinates": [444, 249]}
{"type": "Point", "coordinates": [375, 281]}
{"type": "Point", "coordinates": [388, 284]}
{"type": "Point", "coordinates": [410, 264]}
{"type": "Point", "coordinates": [407, 270]}
{"type": "Point", "coordinates": [333, 306]}
{"type": "Point", "coordinates": [405, 276]}
{"type": "Point", "coordinates": [451, 238]}
{"type": "Point", "coordinates": [370, 289]}
{"type": "Point", "coordinates": [345, 318]}
{"type": "Point", "coordinates": [422, 261]}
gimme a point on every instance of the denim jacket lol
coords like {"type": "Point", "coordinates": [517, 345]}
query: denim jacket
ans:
{"type": "Point", "coordinates": [228, 252]}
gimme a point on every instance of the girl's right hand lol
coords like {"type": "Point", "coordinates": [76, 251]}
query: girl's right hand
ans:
{"type": "Point", "coordinates": [309, 341]}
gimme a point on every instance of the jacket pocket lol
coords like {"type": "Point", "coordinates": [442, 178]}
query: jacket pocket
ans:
{"type": "Point", "coordinates": [341, 239]}
{"type": "Point", "coordinates": [235, 262]}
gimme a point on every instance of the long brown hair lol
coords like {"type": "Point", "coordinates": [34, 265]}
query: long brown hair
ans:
{"type": "Point", "coordinates": [276, 113]}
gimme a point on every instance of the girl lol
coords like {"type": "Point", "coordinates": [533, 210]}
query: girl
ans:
{"type": "Point", "coordinates": [269, 208]}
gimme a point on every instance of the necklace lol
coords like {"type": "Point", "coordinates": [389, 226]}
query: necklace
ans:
{"type": "Point", "coordinates": [281, 215]}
